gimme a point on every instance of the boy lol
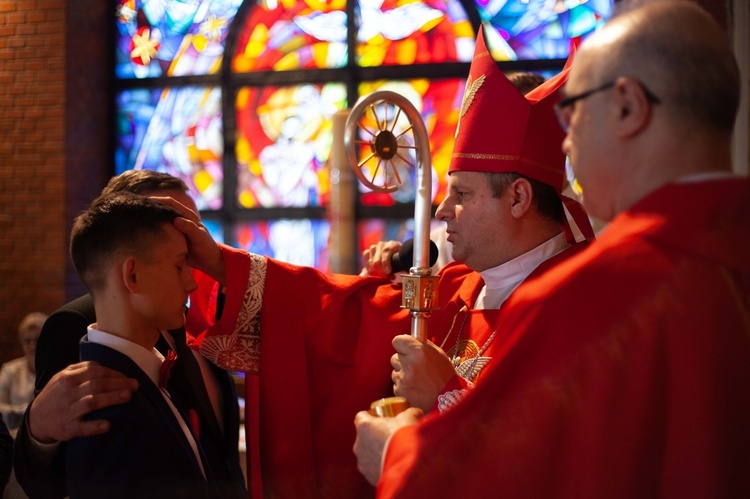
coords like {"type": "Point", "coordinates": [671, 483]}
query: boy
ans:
{"type": "Point", "coordinates": [133, 261]}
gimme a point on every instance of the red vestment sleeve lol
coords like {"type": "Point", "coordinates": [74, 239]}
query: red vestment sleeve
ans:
{"type": "Point", "coordinates": [623, 372]}
{"type": "Point", "coordinates": [320, 345]}
{"type": "Point", "coordinates": [325, 355]}
{"type": "Point", "coordinates": [201, 318]}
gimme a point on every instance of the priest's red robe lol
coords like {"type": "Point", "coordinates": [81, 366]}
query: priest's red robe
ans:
{"type": "Point", "coordinates": [320, 346]}
{"type": "Point", "coordinates": [623, 372]}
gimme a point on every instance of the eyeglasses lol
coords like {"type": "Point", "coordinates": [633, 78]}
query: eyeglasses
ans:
{"type": "Point", "coordinates": [563, 107]}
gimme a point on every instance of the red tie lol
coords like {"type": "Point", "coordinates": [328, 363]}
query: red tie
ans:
{"type": "Point", "coordinates": [165, 371]}
{"type": "Point", "coordinates": [195, 423]}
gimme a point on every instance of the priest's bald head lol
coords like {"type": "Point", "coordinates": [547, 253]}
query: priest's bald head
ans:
{"type": "Point", "coordinates": [650, 98]}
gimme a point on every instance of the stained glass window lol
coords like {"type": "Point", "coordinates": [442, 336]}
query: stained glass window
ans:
{"type": "Point", "coordinates": [292, 35]}
{"type": "Point", "coordinates": [439, 102]}
{"type": "Point", "coordinates": [539, 29]}
{"type": "Point", "coordinates": [176, 131]}
{"type": "Point", "coordinates": [393, 32]}
{"type": "Point", "coordinates": [173, 38]}
{"type": "Point", "coordinates": [251, 133]}
{"type": "Point", "coordinates": [302, 242]}
{"type": "Point", "coordinates": [283, 141]}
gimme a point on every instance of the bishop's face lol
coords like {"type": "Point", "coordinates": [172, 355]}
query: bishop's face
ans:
{"type": "Point", "coordinates": [475, 222]}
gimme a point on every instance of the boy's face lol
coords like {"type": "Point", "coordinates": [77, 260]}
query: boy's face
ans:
{"type": "Point", "coordinates": [166, 282]}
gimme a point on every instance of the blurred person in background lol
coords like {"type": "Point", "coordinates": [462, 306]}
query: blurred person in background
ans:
{"type": "Point", "coordinates": [17, 376]}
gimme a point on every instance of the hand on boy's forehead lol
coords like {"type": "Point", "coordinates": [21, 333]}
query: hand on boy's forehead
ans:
{"type": "Point", "coordinates": [178, 243]}
{"type": "Point", "coordinates": [189, 210]}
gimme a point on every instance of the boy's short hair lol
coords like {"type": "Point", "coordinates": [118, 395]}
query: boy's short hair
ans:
{"type": "Point", "coordinates": [115, 223]}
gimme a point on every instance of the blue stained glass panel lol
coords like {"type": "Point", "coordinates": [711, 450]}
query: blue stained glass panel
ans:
{"type": "Point", "coordinates": [539, 29]}
{"type": "Point", "coordinates": [176, 131]}
{"type": "Point", "coordinates": [171, 37]}
{"type": "Point", "coordinates": [215, 229]}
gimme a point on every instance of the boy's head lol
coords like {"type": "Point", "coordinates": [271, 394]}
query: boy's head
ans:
{"type": "Point", "coordinates": [126, 243]}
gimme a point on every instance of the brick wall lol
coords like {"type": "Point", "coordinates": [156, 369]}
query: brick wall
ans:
{"type": "Point", "coordinates": [55, 152]}
{"type": "Point", "coordinates": [32, 157]}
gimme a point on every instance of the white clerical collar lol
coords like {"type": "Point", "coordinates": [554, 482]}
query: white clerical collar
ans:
{"type": "Point", "coordinates": [148, 360]}
{"type": "Point", "coordinates": [501, 281]}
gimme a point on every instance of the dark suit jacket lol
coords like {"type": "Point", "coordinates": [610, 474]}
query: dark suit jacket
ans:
{"type": "Point", "coordinates": [144, 454]}
{"type": "Point", "coordinates": [58, 348]}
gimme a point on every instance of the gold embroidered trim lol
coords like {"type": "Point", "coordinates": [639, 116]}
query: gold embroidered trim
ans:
{"type": "Point", "coordinates": [506, 157]}
{"type": "Point", "coordinates": [240, 351]}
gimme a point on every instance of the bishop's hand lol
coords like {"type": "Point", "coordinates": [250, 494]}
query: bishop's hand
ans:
{"type": "Point", "coordinates": [420, 371]}
{"type": "Point", "coordinates": [203, 252]}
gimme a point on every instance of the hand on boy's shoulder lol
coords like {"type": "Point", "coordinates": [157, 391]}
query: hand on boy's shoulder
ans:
{"type": "Point", "coordinates": [57, 413]}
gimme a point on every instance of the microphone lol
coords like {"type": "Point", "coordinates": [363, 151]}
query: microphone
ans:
{"type": "Point", "coordinates": [403, 260]}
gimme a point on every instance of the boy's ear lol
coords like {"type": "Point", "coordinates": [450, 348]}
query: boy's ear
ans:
{"type": "Point", "coordinates": [129, 271]}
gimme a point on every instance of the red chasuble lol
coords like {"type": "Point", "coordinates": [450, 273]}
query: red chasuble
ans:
{"type": "Point", "coordinates": [316, 349]}
{"type": "Point", "coordinates": [320, 346]}
{"type": "Point", "coordinates": [457, 324]}
{"type": "Point", "coordinates": [623, 372]}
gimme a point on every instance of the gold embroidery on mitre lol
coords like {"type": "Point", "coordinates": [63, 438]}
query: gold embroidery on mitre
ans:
{"type": "Point", "coordinates": [507, 157]}
{"type": "Point", "coordinates": [472, 87]}
{"type": "Point", "coordinates": [501, 157]}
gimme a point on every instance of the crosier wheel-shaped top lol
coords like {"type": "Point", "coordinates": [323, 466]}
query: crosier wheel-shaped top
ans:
{"type": "Point", "coordinates": [393, 135]}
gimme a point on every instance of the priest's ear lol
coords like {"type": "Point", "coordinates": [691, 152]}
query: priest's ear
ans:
{"type": "Point", "coordinates": [634, 106]}
{"type": "Point", "coordinates": [520, 195]}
